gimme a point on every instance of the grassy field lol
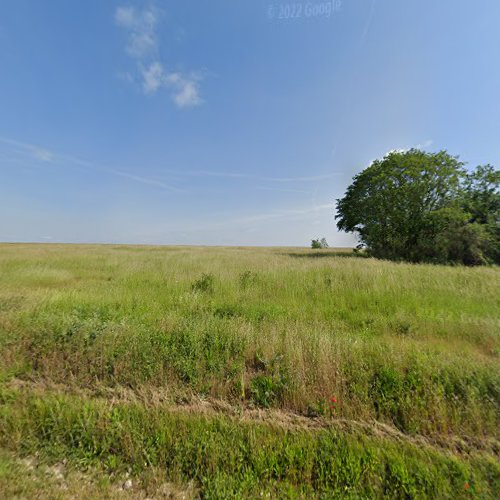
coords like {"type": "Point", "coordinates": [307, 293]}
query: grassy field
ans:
{"type": "Point", "coordinates": [248, 371]}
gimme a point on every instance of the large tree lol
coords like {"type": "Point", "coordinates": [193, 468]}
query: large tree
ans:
{"type": "Point", "coordinates": [418, 206]}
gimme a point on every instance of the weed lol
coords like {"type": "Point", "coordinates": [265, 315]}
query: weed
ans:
{"type": "Point", "coordinates": [247, 279]}
{"type": "Point", "coordinates": [318, 408]}
{"type": "Point", "coordinates": [268, 388]}
{"type": "Point", "coordinates": [204, 284]}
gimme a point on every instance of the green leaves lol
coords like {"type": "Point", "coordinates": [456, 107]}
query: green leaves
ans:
{"type": "Point", "coordinates": [419, 206]}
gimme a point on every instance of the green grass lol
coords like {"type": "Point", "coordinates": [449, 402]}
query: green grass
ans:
{"type": "Point", "coordinates": [230, 457]}
{"type": "Point", "coordinates": [412, 347]}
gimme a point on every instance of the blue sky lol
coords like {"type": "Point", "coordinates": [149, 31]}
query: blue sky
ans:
{"type": "Point", "coordinates": [228, 122]}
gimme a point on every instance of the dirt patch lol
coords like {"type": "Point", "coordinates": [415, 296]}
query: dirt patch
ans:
{"type": "Point", "coordinates": [33, 477]}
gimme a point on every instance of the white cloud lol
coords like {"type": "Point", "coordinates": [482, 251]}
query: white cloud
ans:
{"type": "Point", "coordinates": [185, 91]}
{"type": "Point", "coordinates": [425, 145]}
{"type": "Point", "coordinates": [125, 16]}
{"type": "Point", "coordinates": [142, 39]}
{"type": "Point", "coordinates": [142, 46]}
{"type": "Point", "coordinates": [153, 78]}
{"type": "Point", "coordinates": [188, 94]}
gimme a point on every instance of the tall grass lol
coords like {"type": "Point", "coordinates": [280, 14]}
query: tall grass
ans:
{"type": "Point", "coordinates": [413, 346]}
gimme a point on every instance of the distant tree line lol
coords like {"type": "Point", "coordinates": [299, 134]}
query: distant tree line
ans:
{"type": "Point", "coordinates": [424, 207]}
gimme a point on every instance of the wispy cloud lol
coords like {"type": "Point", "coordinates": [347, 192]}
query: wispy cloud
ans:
{"type": "Point", "coordinates": [313, 178]}
{"type": "Point", "coordinates": [282, 190]}
{"type": "Point", "coordinates": [187, 92]}
{"type": "Point", "coordinates": [422, 146]}
{"type": "Point", "coordinates": [368, 22]}
{"type": "Point", "coordinates": [184, 90]}
{"type": "Point", "coordinates": [427, 144]}
{"type": "Point", "coordinates": [141, 25]}
{"type": "Point", "coordinates": [143, 47]}
{"type": "Point", "coordinates": [152, 78]}
{"type": "Point", "coordinates": [236, 175]}
{"type": "Point", "coordinates": [43, 155]}
{"type": "Point", "coordinates": [35, 152]}
{"type": "Point", "coordinates": [285, 214]}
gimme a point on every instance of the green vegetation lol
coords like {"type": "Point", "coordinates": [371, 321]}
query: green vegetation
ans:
{"type": "Point", "coordinates": [216, 367]}
{"type": "Point", "coordinates": [319, 243]}
{"type": "Point", "coordinates": [424, 207]}
{"type": "Point", "coordinates": [229, 457]}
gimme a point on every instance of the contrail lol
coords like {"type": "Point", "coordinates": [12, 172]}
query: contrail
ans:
{"type": "Point", "coordinates": [43, 154]}
{"type": "Point", "coordinates": [368, 22]}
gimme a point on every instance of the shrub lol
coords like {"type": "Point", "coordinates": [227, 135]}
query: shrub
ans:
{"type": "Point", "coordinates": [319, 243]}
{"type": "Point", "coordinates": [204, 284]}
{"type": "Point", "coordinates": [268, 388]}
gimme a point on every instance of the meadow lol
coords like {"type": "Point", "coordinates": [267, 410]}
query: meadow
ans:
{"type": "Point", "coordinates": [240, 372]}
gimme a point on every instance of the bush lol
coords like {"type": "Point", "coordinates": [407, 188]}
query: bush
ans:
{"type": "Point", "coordinates": [319, 243]}
{"type": "Point", "coordinates": [204, 284]}
{"type": "Point", "coordinates": [268, 387]}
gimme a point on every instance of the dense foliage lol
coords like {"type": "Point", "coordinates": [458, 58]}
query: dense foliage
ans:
{"type": "Point", "coordinates": [424, 207]}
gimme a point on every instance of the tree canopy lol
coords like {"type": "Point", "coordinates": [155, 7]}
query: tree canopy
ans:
{"type": "Point", "coordinates": [419, 206]}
